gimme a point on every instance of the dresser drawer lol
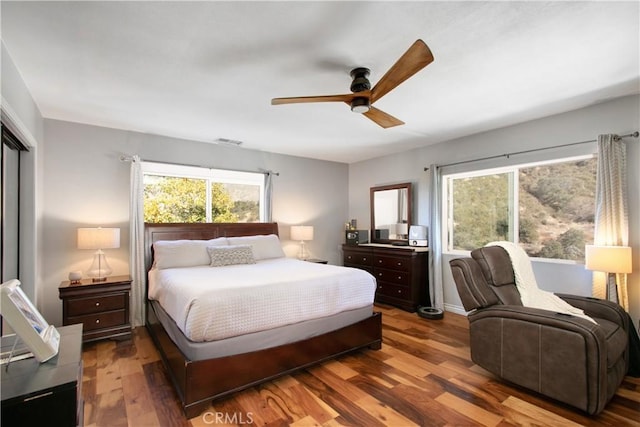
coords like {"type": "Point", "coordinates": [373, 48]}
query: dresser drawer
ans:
{"type": "Point", "coordinates": [109, 319]}
{"type": "Point", "coordinates": [391, 276]}
{"type": "Point", "coordinates": [97, 304]}
{"type": "Point", "coordinates": [358, 259]}
{"type": "Point", "coordinates": [394, 291]}
{"type": "Point", "coordinates": [392, 263]}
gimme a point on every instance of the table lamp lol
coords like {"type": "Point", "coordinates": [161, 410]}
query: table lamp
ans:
{"type": "Point", "coordinates": [99, 238]}
{"type": "Point", "coordinates": [302, 233]}
{"type": "Point", "coordinates": [610, 260]}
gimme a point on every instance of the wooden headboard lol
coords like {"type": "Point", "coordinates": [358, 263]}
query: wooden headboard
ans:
{"type": "Point", "coordinates": [200, 231]}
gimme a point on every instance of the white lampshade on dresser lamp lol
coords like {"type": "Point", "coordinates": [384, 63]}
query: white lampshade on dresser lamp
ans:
{"type": "Point", "coordinates": [302, 233]}
{"type": "Point", "coordinates": [99, 238]}
{"type": "Point", "coordinates": [610, 260]}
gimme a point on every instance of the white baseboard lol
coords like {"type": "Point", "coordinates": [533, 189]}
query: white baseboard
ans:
{"type": "Point", "coordinates": [455, 309]}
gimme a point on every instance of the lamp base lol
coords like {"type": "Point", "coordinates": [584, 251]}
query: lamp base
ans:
{"type": "Point", "coordinates": [303, 254]}
{"type": "Point", "coordinates": [612, 288]}
{"type": "Point", "coordinates": [99, 269]}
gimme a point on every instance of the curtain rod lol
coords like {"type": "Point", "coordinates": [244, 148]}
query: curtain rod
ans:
{"type": "Point", "coordinates": [507, 155]}
{"type": "Point", "coordinates": [124, 158]}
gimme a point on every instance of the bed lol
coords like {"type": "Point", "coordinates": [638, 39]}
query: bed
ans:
{"type": "Point", "coordinates": [202, 371]}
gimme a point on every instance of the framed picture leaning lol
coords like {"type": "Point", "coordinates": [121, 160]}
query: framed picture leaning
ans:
{"type": "Point", "coordinates": [27, 322]}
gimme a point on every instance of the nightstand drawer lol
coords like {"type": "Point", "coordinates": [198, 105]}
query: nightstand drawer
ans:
{"type": "Point", "coordinates": [100, 321]}
{"type": "Point", "coordinates": [98, 304]}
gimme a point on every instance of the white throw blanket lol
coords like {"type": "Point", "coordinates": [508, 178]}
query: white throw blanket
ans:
{"type": "Point", "coordinates": [530, 294]}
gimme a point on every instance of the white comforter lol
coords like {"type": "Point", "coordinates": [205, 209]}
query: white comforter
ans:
{"type": "Point", "coordinates": [213, 303]}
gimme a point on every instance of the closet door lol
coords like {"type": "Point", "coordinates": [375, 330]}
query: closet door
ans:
{"type": "Point", "coordinates": [10, 200]}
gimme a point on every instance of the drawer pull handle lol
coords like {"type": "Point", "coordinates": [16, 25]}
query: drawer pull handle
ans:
{"type": "Point", "coordinates": [400, 263]}
{"type": "Point", "coordinates": [97, 321]}
{"type": "Point", "coordinates": [399, 277]}
{"type": "Point", "coordinates": [349, 257]}
{"type": "Point", "coordinates": [364, 258]}
{"type": "Point", "coordinates": [399, 291]}
{"type": "Point", "coordinates": [380, 261]}
{"type": "Point", "coordinates": [49, 393]}
{"type": "Point", "coordinates": [379, 274]}
{"type": "Point", "coordinates": [97, 304]}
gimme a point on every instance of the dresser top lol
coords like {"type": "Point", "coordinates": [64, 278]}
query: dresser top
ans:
{"type": "Point", "coordinates": [389, 246]}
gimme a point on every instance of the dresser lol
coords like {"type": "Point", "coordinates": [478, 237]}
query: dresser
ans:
{"type": "Point", "coordinates": [45, 394]}
{"type": "Point", "coordinates": [401, 272]}
{"type": "Point", "coordinates": [101, 307]}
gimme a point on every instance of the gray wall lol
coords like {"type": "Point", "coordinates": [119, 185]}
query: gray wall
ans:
{"type": "Point", "coordinates": [618, 116]}
{"type": "Point", "coordinates": [85, 184]}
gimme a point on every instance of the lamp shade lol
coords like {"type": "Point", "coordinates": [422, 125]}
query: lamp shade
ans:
{"type": "Point", "coordinates": [98, 238]}
{"type": "Point", "coordinates": [302, 232]}
{"type": "Point", "coordinates": [609, 259]}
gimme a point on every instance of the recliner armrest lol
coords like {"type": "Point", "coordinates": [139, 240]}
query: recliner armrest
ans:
{"type": "Point", "coordinates": [596, 307]}
{"type": "Point", "coordinates": [541, 317]}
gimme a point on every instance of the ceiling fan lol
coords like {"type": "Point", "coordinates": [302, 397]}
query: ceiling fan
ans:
{"type": "Point", "coordinates": [413, 60]}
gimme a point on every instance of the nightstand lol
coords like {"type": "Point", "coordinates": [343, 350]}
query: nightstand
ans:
{"type": "Point", "coordinates": [317, 261]}
{"type": "Point", "coordinates": [45, 394]}
{"type": "Point", "coordinates": [101, 307]}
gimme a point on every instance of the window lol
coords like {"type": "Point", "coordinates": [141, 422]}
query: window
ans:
{"type": "Point", "coordinates": [174, 193]}
{"type": "Point", "coordinates": [548, 208]}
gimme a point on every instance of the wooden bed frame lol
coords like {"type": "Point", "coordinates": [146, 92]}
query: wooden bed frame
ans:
{"type": "Point", "coordinates": [199, 382]}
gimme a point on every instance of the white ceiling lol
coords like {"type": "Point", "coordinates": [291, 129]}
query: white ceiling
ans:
{"type": "Point", "coordinates": [208, 70]}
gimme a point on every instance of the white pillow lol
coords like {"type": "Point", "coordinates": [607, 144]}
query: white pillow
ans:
{"type": "Point", "coordinates": [264, 247]}
{"type": "Point", "coordinates": [230, 255]}
{"type": "Point", "coordinates": [184, 253]}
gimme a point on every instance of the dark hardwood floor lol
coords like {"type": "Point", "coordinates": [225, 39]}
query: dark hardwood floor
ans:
{"type": "Point", "coordinates": [422, 376]}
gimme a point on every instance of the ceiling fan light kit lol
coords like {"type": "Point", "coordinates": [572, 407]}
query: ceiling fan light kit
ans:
{"type": "Point", "coordinates": [360, 104]}
{"type": "Point", "coordinates": [413, 60]}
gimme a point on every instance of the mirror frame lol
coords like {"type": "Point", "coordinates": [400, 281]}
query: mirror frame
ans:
{"type": "Point", "coordinates": [372, 191]}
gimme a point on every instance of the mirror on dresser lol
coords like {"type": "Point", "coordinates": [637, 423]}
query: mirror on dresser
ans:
{"type": "Point", "coordinates": [390, 213]}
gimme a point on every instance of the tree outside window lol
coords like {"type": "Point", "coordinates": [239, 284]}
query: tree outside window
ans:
{"type": "Point", "coordinates": [210, 196]}
{"type": "Point", "coordinates": [555, 208]}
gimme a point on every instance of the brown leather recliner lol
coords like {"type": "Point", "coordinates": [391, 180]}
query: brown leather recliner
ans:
{"type": "Point", "coordinates": [564, 357]}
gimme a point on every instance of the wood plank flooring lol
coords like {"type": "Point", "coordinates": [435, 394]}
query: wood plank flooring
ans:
{"type": "Point", "coordinates": [422, 376]}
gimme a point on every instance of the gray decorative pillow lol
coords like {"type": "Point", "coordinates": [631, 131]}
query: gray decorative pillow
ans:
{"type": "Point", "coordinates": [230, 255]}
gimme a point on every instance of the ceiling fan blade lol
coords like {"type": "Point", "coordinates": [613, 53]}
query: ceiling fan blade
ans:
{"type": "Point", "coordinates": [414, 59]}
{"type": "Point", "coordinates": [302, 99]}
{"type": "Point", "coordinates": [381, 118]}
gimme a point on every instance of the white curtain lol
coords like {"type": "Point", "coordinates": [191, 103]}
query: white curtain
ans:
{"type": "Point", "coordinates": [611, 219]}
{"type": "Point", "coordinates": [136, 243]}
{"type": "Point", "coordinates": [268, 190]}
{"type": "Point", "coordinates": [436, 290]}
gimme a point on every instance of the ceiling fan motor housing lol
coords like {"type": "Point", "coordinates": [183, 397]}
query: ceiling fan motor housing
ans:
{"type": "Point", "coordinates": [360, 80]}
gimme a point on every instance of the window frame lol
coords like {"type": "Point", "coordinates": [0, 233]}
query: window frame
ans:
{"type": "Point", "coordinates": [211, 176]}
{"type": "Point", "coordinates": [513, 170]}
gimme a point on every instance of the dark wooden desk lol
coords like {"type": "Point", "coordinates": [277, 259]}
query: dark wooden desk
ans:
{"type": "Point", "coordinates": [45, 394]}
